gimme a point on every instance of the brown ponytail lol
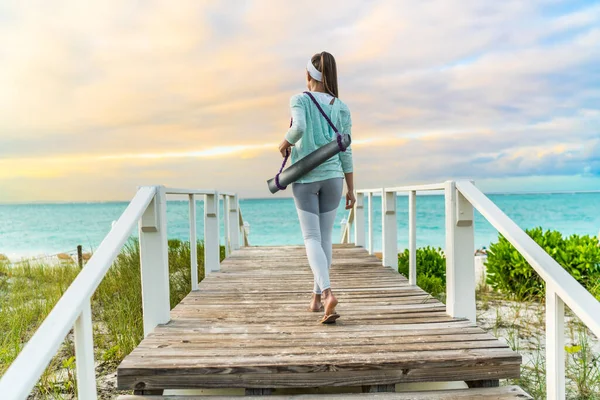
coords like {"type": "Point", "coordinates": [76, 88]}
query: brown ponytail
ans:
{"type": "Point", "coordinates": [325, 63]}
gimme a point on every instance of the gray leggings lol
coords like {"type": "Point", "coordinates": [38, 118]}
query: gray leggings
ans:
{"type": "Point", "coordinates": [317, 203]}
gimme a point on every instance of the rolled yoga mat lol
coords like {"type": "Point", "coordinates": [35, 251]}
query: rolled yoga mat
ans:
{"type": "Point", "coordinates": [308, 163]}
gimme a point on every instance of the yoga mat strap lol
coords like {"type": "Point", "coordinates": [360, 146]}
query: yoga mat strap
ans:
{"type": "Point", "coordinates": [287, 155]}
{"type": "Point", "coordinates": [339, 136]}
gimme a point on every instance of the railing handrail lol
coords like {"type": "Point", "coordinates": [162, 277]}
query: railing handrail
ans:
{"type": "Point", "coordinates": [22, 374]}
{"type": "Point", "coordinates": [417, 188]}
{"type": "Point", "coordinates": [461, 199]}
{"type": "Point", "coordinates": [409, 188]}
{"type": "Point", "coordinates": [579, 300]}
{"type": "Point", "coordinates": [73, 308]}
{"type": "Point", "coordinates": [190, 191]}
{"type": "Point", "coordinates": [198, 191]}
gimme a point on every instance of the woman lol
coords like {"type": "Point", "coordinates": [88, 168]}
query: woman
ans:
{"type": "Point", "coordinates": [317, 194]}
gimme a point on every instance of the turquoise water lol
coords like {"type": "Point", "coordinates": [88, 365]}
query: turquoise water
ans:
{"type": "Point", "coordinates": [34, 229]}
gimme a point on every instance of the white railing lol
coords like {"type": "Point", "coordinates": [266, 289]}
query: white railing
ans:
{"type": "Point", "coordinates": [461, 198]}
{"type": "Point", "coordinates": [147, 211]}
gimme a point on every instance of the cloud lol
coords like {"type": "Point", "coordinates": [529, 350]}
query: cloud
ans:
{"type": "Point", "coordinates": [129, 92]}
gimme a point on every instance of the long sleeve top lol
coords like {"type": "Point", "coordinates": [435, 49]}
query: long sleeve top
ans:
{"type": "Point", "coordinates": [310, 131]}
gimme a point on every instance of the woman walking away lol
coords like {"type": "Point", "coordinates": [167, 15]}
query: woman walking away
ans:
{"type": "Point", "coordinates": [317, 194]}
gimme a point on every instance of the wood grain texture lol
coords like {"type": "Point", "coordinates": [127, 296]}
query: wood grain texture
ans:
{"type": "Point", "coordinates": [498, 393]}
{"type": "Point", "coordinates": [248, 326]}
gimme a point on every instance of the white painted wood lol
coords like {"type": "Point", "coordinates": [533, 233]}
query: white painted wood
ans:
{"type": "Point", "coordinates": [359, 220]}
{"type": "Point", "coordinates": [84, 353]}
{"type": "Point", "coordinates": [412, 238]}
{"type": "Point", "coordinates": [246, 232]}
{"type": "Point", "coordinates": [555, 345]}
{"type": "Point", "coordinates": [348, 227]}
{"type": "Point", "coordinates": [234, 230]}
{"type": "Point", "coordinates": [242, 228]}
{"type": "Point", "coordinates": [418, 188]}
{"type": "Point", "coordinates": [212, 258]}
{"type": "Point", "coordinates": [199, 192]}
{"type": "Point", "coordinates": [22, 375]}
{"type": "Point", "coordinates": [193, 243]}
{"type": "Point", "coordinates": [460, 265]}
{"type": "Point", "coordinates": [370, 221]}
{"type": "Point", "coordinates": [226, 200]}
{"type": "Point", "coordinates": [575, 296]}
{"type": "Point", "coordinates": [389, 230]}
{"type": "Point", "coordinates": [154, 263]}
{"type": "Point", "coordinates": [367, 191]}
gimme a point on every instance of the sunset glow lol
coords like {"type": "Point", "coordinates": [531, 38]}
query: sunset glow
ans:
{"type": "Point", "coordinates": [104, 97]}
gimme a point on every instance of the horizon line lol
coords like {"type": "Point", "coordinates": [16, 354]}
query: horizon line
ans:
{"type": "Point", "coordinates": [45, 202]}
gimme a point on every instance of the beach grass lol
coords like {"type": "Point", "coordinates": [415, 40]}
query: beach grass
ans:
{"type": "Point", "coordinates": [521, 324]}
{"type": "Point", "coordinates": [29, 291]}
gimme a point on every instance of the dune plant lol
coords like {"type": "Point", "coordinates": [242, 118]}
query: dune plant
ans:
{"type": "Point", "coordinates": [431, 269]}
{"type": "Point", "coordinates": [509, 272]}
{"type": "Point", "coordinates": [28, 292]}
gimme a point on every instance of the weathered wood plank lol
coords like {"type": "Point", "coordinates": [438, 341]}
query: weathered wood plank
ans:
{"type": "Point", "coordinates": [499, 393]}
{"type": "Point", "coordinates": [258, 392]}
{"type": "Point", "coordinates": [378, 388]}
{"type": "Point", "coordinates": [248, 327]}
{"type": "Point", "coordinates": [177, 379]}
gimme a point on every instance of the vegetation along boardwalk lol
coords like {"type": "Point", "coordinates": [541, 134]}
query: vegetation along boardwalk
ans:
{"type": "Point", "coordinates": [248, 326]}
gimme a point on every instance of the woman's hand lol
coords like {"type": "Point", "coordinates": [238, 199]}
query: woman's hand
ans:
{"type": "Point", "coordinates": [284, 147]}
{"type": "Point", "coordinates": [350, 200]}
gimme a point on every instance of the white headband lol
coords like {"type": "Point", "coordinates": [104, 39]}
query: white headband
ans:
{"type": "Point", "coordinates": [314, 73]}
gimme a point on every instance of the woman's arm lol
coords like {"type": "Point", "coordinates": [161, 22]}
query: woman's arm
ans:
{"type": "Point", "coordinates": [350, 199]}
{"type": "Point", "coordinates": [297, 128]}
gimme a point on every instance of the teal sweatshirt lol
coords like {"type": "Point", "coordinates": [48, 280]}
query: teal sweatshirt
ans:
{"type": "Point", "coordinates": [310, 130]}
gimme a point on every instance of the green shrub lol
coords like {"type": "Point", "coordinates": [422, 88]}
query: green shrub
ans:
{"type": "Point", "coordinates": [431, 269]}
{"type": "Point", "coordinates": [509, 272]}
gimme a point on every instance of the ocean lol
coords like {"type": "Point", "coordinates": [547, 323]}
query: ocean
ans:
{"type": "Point", "coordinates": [31, 230]}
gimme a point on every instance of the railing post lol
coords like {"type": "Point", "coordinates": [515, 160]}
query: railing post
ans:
{"type": "Point", "coordinates": [460, 249]}
{"type": "Point", "coordinates": [193, 243]}
{"type": "Point", "coordinates": [350, 227]}
{"type": "Point", "coordinates": [242, 229]}
{"type": "Point", "coordinates": [359, 220]}
{"type": "Point", "coordinates": [84, 354]}
{"type": "Point", "coordinates": [234, 231]}
{"type": "Point", "coordinates": [412, 238]}
{"type": "Point", "coordinates": [212, 250]}
{"type": "Point", "coordinates": [555, 345]}
{"type": "Point", "coordinates": [389, 229]}
{"type": "Point", "coordinates": [226, 225]}
{"type": "Point", "coordinates": [370, 221]}
{"type": "Point", "coordinates": [155, 262]}
{"type": "Point", "coordinates": [347, 227]}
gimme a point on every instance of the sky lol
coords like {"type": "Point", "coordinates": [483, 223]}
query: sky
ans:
{"type": "Point", "coordinates": [98, 98]}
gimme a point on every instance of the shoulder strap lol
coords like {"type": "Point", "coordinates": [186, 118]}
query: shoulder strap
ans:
{"type": "Point", "coordinates": [322, 112]}
{"type": "Point", "coordinates": [338, 135]}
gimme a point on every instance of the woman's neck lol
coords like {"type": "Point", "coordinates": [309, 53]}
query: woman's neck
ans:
{"type": "Point", "coordinates": [316, 86]}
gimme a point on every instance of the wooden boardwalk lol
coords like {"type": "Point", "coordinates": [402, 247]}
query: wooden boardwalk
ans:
{"type": "Point", "coordinates": [248, 326]}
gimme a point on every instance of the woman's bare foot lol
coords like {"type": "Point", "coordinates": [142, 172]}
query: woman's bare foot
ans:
{"type": "Point", "coordinates": [315, 303]}
{"type": "Point", "coordinates": [330, 302]}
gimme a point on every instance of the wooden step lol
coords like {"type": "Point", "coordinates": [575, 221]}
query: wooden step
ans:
{"type": "Point", "coordinates": [496, 393]}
